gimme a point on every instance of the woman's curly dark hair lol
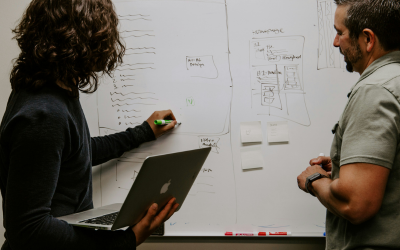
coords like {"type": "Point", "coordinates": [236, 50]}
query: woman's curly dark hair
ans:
{"type": "Point", "coordinates": [66, 41]}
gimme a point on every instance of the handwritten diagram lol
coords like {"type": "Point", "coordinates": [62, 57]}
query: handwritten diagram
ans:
{"type": "Point", "coordinates": [201, 66]}
{"type": "Point", "coordinates": [168, 64]}
{"type": "Point", "coordinates": [125, 96]}
{"type": "Point", "coordinates": [126, 174]}
{"type": "Point", "coordinates": [206, 141]}
{"type": "Point", "coordinates": [204, 183]}
{"type": "Point", "coordinates": [276, 77]}
{"type": "Point", "coordinates": [328, 56]}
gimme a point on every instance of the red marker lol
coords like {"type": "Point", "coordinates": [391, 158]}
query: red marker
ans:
{"type": "Point", "coordinates": [273, 233]}
{"type": "Point", "coordinates": [239, 234]}
{"type": "Point", "coordinates": [257, 234]}
{"type": "Point", "coordinates": [279, 233]}
{"type": "Point", "coordinates": [245, 234]}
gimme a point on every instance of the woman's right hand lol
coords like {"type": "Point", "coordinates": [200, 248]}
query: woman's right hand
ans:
{"type": "Point", "coordinates": [151, 221]}
{"type": "Point", "coordinates": [161, 115]}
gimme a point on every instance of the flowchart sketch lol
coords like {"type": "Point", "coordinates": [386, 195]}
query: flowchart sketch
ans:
{"type": "Point", "coordinates": [277, 87]}
{"type": "Point", "coordinates": [170, 63]}
{"type": "Point", "coordinates": [328, 55]}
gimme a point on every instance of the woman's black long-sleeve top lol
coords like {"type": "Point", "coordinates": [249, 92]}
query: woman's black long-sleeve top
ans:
{"type": "Point", "coordinates": [46, 159]}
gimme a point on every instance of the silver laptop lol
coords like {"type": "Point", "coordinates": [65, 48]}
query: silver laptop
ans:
{"type": "Point", "coordinates": [161, 178]}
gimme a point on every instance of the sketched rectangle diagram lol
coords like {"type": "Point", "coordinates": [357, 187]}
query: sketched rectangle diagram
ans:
{"type": "Point", "coordinates": [276, 68]}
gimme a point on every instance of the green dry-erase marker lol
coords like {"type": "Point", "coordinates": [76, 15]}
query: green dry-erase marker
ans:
{"type": "Point", "coordinates": [164, 122]}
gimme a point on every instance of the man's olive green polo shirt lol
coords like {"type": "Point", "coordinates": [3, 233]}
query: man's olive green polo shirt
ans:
{"type": "Point", "coordinates": [368, 132]}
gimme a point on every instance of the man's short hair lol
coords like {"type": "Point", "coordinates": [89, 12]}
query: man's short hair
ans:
{"type": "Point", "coordinates": [381, 16]}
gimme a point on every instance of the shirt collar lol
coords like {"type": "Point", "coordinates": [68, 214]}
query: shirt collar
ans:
{"type": "Point", "coordinates": [392, 57]}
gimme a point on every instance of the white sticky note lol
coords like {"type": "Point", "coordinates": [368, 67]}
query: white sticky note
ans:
{"type": "Point", "coordinates": [251, 132]}
{"type": "Point", "coordinates": [278, 131]}
{"type": "Point", "coordinates": [252, 157]}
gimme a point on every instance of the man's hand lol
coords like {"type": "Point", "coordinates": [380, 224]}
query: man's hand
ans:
{"type": "Point", "coordinates": [152, 221]}
{"type": "Point", "coordinates": [161, 115]}
{"type": "Point", "coordinates": [325, 161]}
{"type": "Point", "coordinates": [301, 179]}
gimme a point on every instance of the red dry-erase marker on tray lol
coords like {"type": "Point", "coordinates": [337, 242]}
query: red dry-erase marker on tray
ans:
{"type": "Point", "coordinates": [245, 234]}
{"type": "Point", "coordinates": [240, 234]}
{"type": "Point", "coordinates": [279, 233]}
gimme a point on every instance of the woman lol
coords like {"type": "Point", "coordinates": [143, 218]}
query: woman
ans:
{"type": "Point", "coordinates": [46, 153]}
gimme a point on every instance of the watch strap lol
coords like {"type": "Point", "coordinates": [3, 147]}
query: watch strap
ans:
{"type": "Point", "coordinates": [313, 178]}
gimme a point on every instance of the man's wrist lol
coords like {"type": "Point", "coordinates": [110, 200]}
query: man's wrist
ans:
{"type": "Point", "coordinates": [316, 184]}
{"type": "Point", "coordinates": [311, 179]}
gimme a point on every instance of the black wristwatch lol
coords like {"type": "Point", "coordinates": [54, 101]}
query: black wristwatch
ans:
{"type": "Point", "coordinates": [312, 178]}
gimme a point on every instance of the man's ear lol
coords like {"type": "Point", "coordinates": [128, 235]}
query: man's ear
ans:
{"type": "Point", "coordinates": [369, 38]}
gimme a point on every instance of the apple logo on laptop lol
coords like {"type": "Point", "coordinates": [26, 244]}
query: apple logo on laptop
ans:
{"type": "Point", "coordinates": [164, 188]}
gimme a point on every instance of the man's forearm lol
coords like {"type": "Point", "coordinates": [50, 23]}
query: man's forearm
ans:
{"type": "Point", "coordinates": [356, 195]}
{"type": "Point", "coordinates": [326, 191]}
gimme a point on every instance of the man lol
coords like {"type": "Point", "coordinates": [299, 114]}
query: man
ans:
{"type": "Point", "coordinates": [46, 152]}
{"type": "Point", "coordinates": [362, 195]}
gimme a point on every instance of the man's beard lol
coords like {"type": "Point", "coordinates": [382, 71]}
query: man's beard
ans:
{"type": "Point", "coordinates": [349, 66]}
{"type": "Point", "coordinates": [351, 55]}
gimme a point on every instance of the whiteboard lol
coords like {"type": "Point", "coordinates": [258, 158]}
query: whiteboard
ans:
{"type": "Point", "coordinates": [215, 64]}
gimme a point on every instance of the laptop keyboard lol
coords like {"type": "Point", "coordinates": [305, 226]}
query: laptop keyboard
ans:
{"type": "Point", "coordinates": [107, 219]}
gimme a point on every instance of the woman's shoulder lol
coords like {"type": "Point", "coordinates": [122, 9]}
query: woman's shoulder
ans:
{"type": "Point", "coordinates": [36, 117]}
{"type": "Point", "coordinates": [48, 104]}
